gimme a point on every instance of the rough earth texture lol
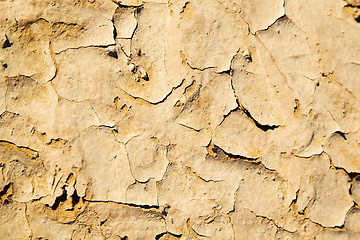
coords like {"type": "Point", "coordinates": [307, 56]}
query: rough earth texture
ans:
{"type": "Point", "coordinates": [179, 119]}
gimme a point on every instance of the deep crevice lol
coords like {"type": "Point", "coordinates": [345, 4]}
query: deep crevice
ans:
{"type": "Point", "coordinates": [5, 189]}
{"type": "Point", "coordinates": [353, 175]}
{"type": "Point", "coordinates": [262, 127]}
{"type": "Point", "coordinates": [114, 30]}
{"type": "Point", "coordinates": [21, 147]}
{"type": "Point", "coordinates": [294, 201]}
{"type": "Point", "coordinates": [5, 193]}
{"type": "Point", "coordinates": [228, 72]}
{"type": "Point", "coordinates": [146, 207]}
{"type": "Point", "coordinates": [248, 114]}
{"type": "Point", "coordinates": [75, 198]}
{"type": "Point", "coordinates": [139, 9]}
{"type": "Point", "coordinates": [142, 206]}
{"type": "Point", "coordinates": [7, 43]}
{"type": "Point", "coordinates": [59, 199]}
{"type": "Point", "coordinates": [343, 135]}
{"type": "Point", "coordinates": [216, 148]}
{"type": "Point", "coordinates": [158, 236]}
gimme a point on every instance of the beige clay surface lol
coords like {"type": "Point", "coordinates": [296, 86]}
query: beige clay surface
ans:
{"type": "Point", "coordinates": [179, 119]}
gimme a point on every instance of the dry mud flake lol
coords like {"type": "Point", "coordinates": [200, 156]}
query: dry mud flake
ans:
{"type": "Point", "coordinates": [238, 135]}
{"type": "Point", "coordinates": [273, 204]}
{"type": "Point", "coordinates": [332, 37]}
{"type": "Point", "coordinates": [28, 47]}
{"type": "Point", "coordinates": [50, 223]}
{"type": "Point", "coordinates": [72, 118]}
{"type": "Point", "coordinates": [186, 196]}
{"type": "Point", "coordinates": [204, 26]}
{"type": "Point", "coordinates": [110, 180]}
{"type": "Point", "coordinates": [352, 220]}
{"type": "Point", "coordinates": [23, 174]}
{"type": "Point", "coordinates": [320, 192]}
{"type": "Point", "coordinates": [259, 85]}
{"type": "Point", "coordinates": [187, 146]}
{"type": "Point", "coordinates": [324, 193]}
{"type": "Point", "coordinates": [261, 14]}
{"type": "Point", "coordinates": [73, 23]}
{"type": "Point", "coordinates": [32, 100]}
{"type": "Point", "coordinates": [120, 221]}
{"type": "Point", "coordinates": [17, 129]}
{"type": "Point", "coordinates": [124, 22]}
{"type": "Point", "coordinates": [77, 24]}
{"type": "Point", "coordinates": [154, 55]}
{"type": "Point", "coordinates": [279, 39]}
{"type": "Point", "coordinates": [13, 222]}
{"type": "Point", "coordinates": [340, 103]}
{"type": "Point", "coordinates": [205, 109]}
{"type": "Point", "coordinates": [344, 151]}
{"type": "Point", "coordinates": [96, 79]}
{"type": "Point", "coordinates": [142, 193]}
{"type": "Point", "coordinates": [149, 161]}
{"type": "Point", "coordinates": [248, 226]}
{"type": "Point", "coordinates": [304, 135]}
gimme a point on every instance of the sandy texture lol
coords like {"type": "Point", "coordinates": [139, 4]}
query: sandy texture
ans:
{"type": "Point", "coordinates": [186, 119]}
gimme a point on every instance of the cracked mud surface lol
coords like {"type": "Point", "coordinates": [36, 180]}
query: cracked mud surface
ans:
{"type": "Point", "coordinates": [187, 119]}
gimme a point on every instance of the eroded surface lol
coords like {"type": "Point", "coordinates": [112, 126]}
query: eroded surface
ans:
{"type": "Point", "coordinates": [154, 119]}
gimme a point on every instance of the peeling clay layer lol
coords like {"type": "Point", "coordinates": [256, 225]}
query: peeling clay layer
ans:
{"type": "Point", "coordinates": [187, 119]}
